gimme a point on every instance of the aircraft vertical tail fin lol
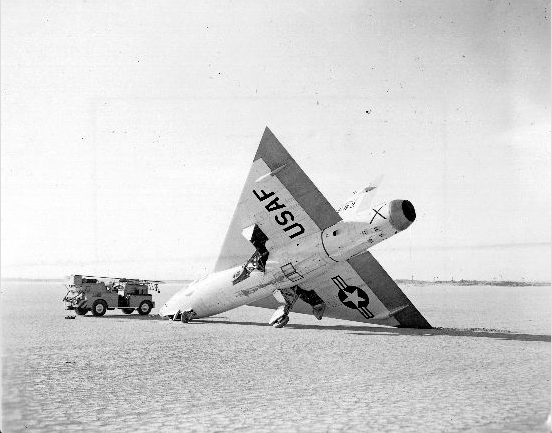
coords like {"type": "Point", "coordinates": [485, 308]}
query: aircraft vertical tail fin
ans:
{"type": "Point", "coordinates": [361, 201]}
{"type": "Point", "coordinates": [368, 195]}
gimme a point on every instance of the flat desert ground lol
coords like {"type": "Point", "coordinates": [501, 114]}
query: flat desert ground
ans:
{"type": "Point", "coordinates": [486, 368]}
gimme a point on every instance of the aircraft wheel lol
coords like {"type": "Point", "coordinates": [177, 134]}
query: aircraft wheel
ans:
{"type": "Point", "coordinates": [145, 308]}
{"type": "Point", "coordinates": [280, 323]}
{"type": "Point", "coordinates": [99, 307]}
{"type": "Point", "coordinates": [81, 311]}
{"type": "Point", "coordinates": [127, 310]}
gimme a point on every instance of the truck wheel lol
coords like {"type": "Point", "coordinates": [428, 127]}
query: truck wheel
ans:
{"type": "Point", "coordinates": [99, 307]}
{"type": "Point", "coordinates": [81, 311]}
{"type": "Point", "coordinates": [145, 308]}
{"type": "Point", "coordinates": [127, 310]}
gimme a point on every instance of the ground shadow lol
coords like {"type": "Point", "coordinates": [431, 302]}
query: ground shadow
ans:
{"type": "Point", "coordinates": [454, 332]}
{"type": "Point", "coordinates": [374, 330]}
{"type": "Point", "coordinates": [360, 330]}
{"type": "Point", "coordinates": [123, 316]}
{"type": "Point", "coordinates": [137, 317]}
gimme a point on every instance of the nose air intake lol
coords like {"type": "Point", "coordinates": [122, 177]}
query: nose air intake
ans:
{"type": "Point", "coordinates": [401, 214]}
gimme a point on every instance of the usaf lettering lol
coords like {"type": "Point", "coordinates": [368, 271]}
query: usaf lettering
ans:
{"type": "Point", "coordinates": [284, 217]}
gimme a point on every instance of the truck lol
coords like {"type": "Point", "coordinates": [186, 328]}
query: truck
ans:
{"type": "Point", "coordinates": [99, 294]}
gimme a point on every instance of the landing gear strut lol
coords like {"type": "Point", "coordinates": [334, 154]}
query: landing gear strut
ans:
{"type": "Point", "coordinates": [280, 318]}
{"type": "Point", "coordinates": [281, 321]}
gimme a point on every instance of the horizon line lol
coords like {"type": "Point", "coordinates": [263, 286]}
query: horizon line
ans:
{"type": "Point", "coordinates": [209, 258]}
{"type": "Point", "coordinates": [436, 280]}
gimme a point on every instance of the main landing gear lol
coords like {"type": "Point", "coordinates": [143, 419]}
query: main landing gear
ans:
{"type": "Point", "coordinates": [280, 318]}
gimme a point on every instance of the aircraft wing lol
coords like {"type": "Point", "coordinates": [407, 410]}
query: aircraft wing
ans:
{"type": "Point", "coordinates": [360, 290]}
{"type": "Point", "coordinates": [280, 199]}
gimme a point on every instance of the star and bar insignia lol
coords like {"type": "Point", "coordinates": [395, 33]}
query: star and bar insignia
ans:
{"type": "Point", "coordinates": [353, 297]}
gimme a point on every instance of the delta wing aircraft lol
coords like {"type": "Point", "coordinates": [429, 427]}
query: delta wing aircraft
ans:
{"type": "Point", "coordinates": [288, 249]}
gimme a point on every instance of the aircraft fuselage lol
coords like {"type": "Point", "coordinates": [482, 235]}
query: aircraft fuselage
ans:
{"type": "Point", "coordinates": [291, 261]}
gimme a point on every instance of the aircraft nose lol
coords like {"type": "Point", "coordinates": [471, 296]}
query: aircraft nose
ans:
{"type": "Point", "coordinates": [163, 310]}
{"type": "Point", "coordinates": [167, 310]}
{"type": "Point", "coordinates": [401, 214]}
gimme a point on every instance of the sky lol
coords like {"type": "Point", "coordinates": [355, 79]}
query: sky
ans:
{"type": "Point", "coordinates": [128, 128]}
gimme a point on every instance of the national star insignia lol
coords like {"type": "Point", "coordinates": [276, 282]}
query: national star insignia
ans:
{"type": "Point", "coordinates": [353, 297]}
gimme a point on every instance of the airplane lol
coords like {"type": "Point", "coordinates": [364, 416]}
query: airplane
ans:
{"type": "Point", "coordinates": [288, 249]}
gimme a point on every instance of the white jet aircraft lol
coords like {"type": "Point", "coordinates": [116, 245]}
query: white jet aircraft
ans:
{"type": "Point", "coordinates": [288, 249]}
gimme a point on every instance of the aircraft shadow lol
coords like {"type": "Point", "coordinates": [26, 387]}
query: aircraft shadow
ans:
{"type": "Point", "coordinates": [454, 332]}
{"type": "Point", "coordinates": [372, 330]}
{"type": "Point", "coordinates": [375, 330]}
{"type": "Point", "coordinates": [137, 317]}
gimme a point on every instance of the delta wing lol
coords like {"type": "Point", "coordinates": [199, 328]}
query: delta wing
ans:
{"type": "Point", "coordinates": [280, 199]}
{"type": "Point", "coordinates": [360, 290]}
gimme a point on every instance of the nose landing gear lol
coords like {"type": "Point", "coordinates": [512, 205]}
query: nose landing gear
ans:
{"type": "Point", "coordinates": [184, 316]}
